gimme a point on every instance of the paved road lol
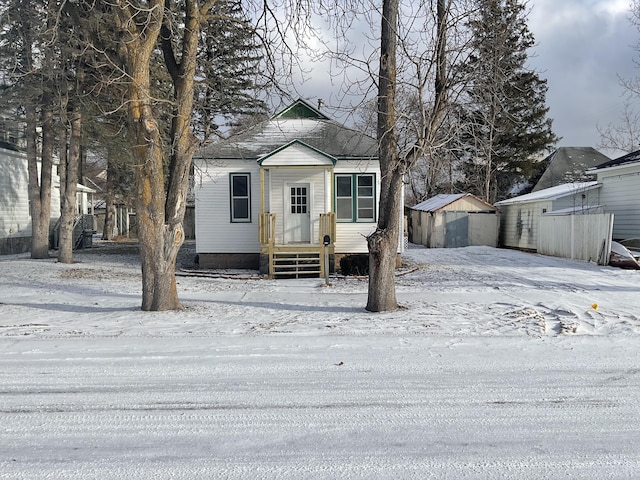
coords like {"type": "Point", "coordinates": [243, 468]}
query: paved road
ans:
{"type": "Point", "coordinates": [343, 407]}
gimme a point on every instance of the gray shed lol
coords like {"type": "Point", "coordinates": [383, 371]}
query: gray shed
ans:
{"type": "Point", "coordinates": [455, 220]}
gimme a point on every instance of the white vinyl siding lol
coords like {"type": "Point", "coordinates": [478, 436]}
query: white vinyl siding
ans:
{"type": "Point", "coordinates": [297, 155]}
{"type": "Point", "coordinates": [215, 233]}
{"type": "Point", "coordinates": [15, 216]}
{"type": "Point", "coordinates": [620, 195]}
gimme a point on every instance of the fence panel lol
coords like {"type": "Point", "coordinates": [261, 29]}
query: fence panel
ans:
{"type": "Point", "coordinates": [580, 237]}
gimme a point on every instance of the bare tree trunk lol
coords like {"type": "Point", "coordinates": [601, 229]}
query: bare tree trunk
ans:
{"type": "Point", "coordinates": [184, 142]}
{"type": "Point", "coordinates": [68, 198]}
{"type": "Point", "coordinates": [383, 243]}
{"type": "Point", "coordinates": [159, 290]}
{"type": "Point", "coordinates": [40, 185]}
{"type": "Point", "coordinates": [109, 228]}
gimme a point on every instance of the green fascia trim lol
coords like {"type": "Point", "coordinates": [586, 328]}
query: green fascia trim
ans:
{"type": "Point", "coordinates": [301, 109]}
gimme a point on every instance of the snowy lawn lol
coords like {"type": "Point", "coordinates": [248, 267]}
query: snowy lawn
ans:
{"type": "Point", "coordinates": [501, 364]}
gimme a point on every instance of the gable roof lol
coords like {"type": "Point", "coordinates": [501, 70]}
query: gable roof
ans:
{"type": "Point", "coordinates": [299, 122]}
{"type": "Point", "coordinates": [628, 159]}
{"type": "Point", "coordinates": [567, 163]}
{"type": "Point", "coordinates": [552, 193]}
{"type": "Point", "coordinates": [442, 200]}
{"type": "Point", "coordinates": [321, 158]}
{"type": "Point", "coordinates": [300, 109]}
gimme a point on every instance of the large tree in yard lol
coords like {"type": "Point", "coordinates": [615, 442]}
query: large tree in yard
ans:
{"type": "Point", "coordinates": [159, 216]}
{"type": "Point", "coordinates": [383, 242]}
{"type": "Point", "coordinates": [180, 30]}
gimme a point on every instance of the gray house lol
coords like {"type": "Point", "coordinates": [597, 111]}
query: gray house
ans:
{"type": "Point", "coordinates": [520, 217]}
{"type": "Point", "coordinates": [569, 165]}
{"type": "Point", "coordinates": [455, 220]}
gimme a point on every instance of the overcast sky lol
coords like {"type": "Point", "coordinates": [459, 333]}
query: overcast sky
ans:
{"type": "Point", "coordinates": [582, 48]}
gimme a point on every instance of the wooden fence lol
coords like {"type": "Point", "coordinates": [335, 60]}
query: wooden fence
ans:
{"type": "Point", "coordinates": [580, 237]}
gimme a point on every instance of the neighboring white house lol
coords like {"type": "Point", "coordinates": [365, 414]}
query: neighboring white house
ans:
{"type": "Point", "coordinates": [620, 193]}
{"type": "Point", "coordinates": [520, 216]}
{"type": "Point", "coordinates": [15, 215]}
{"type": "Point", "coordinates": [454, 220]}
{"type": "Point", "coordinates": [271, 196]}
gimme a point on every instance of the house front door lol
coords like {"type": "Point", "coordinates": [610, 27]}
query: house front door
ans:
{"type": "Point", "coordinates": [297, 213]}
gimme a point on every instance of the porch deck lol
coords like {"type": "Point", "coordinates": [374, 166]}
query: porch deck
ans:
{"type": "Point", "coordinates": [296, 260]}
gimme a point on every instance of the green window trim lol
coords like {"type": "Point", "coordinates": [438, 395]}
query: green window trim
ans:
{"type": "Point", "coordinates": [355, 197]}
{"type": "Point", "coordinates": [240, 197]}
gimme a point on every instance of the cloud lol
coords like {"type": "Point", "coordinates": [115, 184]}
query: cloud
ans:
{"type": "Point", "coordinates": [582, 48]}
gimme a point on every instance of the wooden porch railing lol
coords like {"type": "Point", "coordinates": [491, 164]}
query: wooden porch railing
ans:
{"type": "Point", "coordinates": [296, 259]}
{"type": "Point", "coordinates": [327, 227]}
{"type": "Point", "coordinates": [267, 228]}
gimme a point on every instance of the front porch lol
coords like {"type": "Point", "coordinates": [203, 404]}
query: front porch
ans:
{"type": "Point", "coordinates": [297, 260]}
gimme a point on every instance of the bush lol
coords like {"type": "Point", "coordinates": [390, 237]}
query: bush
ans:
{"type": "Point", "coordinates": [355, 264]}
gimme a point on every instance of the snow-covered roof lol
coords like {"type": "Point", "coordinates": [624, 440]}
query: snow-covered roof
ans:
{"type": "Point", "coordinates": [316, 131]}
{"type": "Point", "coordinates": [442, 200]}
{"type": "Point", "coordinates": [437, 202]}
{"type": "Point", "coordinates": [552, 193]}
{"type": "Point", "coordinates": [567, 164]}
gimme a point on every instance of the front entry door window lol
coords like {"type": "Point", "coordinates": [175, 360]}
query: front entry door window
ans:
{"type": "Point", "coordinates": [298, 214]}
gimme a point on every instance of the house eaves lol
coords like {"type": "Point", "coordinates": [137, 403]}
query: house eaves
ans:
{"type": "Point", "coordinates": [265, 158]}
{"type": "Point", "coordinates": [437, 202]}
{"type": "Point", "coordinates": [618, 163]}
{"type": "Point", "coordinates": [552, 193]}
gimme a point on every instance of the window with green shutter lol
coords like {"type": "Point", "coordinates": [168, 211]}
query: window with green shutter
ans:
{"type": "Point", "coordinates": [355, 197]}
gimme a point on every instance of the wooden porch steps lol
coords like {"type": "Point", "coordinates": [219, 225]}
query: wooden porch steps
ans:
{"type": "Point", "coordinates": [302, 264]}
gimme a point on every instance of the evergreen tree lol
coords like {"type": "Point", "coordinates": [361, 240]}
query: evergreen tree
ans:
{"type": "Point", "coordinates": [504, 113]}
{"type": "Point", "coordinates": [228, 67]}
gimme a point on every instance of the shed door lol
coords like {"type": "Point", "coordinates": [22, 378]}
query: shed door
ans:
{"type": "Point", "coordinates": [297, 227]}
{"type": "Point", "coordinates": [456, 229]}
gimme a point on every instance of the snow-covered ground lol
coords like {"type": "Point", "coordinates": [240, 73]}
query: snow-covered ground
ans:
{"type": "Point", "coordinates": [501, 364]}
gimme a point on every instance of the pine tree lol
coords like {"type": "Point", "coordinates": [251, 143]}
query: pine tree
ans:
{"type": "Point", "coordinates": [228, 67]}
{"type": "Point", "coordinates": [505, 113]}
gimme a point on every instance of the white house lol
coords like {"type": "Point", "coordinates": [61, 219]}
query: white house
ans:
{"type": "Point", "coordinates": [620, 193]}
{"type": "Point", "coordinates": [272, 196]}
{"type": "Point", "coordinates": [15, 215]}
